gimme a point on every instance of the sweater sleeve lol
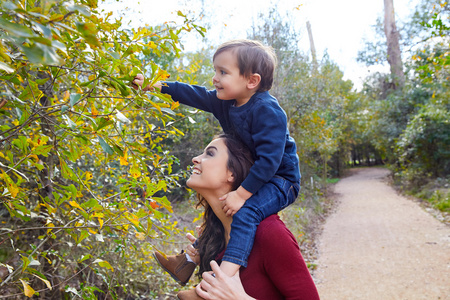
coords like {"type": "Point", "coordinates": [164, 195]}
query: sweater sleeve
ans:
{"type": "Point", "coordinates": [284, 263]}
{"type": "Point", "coordinates": [192, 95]}
{"type": "Point", "coordinates": [268, 131]}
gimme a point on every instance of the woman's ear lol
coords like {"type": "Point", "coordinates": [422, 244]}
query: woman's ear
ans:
{"type": "Point", "coordinates": [230, 177]}
{"type": "Point", "coordinates": [253, 81]}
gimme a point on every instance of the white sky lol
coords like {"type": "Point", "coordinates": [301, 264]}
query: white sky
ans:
{"type": "Point", "coordinates": [338, 26]}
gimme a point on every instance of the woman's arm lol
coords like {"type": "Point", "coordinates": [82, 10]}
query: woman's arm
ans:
{"type": "Point", "coordinates": [220, 286]}
{"type": "Point", "coordinates": [284, 263]}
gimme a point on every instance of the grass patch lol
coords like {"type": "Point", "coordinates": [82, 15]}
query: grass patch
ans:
{"type": "Point", "coordinates": [332, 180]}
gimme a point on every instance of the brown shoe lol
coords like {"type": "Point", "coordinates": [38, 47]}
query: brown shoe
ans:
{"type": "Point", "coordinates": [177, 266]}
{"type": "Point", "coordinates": [188, 295]}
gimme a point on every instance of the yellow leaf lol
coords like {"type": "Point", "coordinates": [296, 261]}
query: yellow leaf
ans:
{"type": "Point", "coordinates": [47, 283]}
{"type": "Point", "coordinates": [135, 172]}
{"type": "Point", "coordinates": [50, 225]}
{"type": "Point", "coordinates": [132, 218]}
{"type": "Point", "coordinates": [89, 176]}
{"type": "Point", "coordinates": [94, 110]}
{"type": "Point", "coordinates": [105, 264]}
{"type": "Point", "coordinates": [13, 189]}
{"type": "Point", "coordinates": [123, 160]}
{"type": "Point", "coordinates": [140, 236]}
{"type": "Point", "coordinates": [100, 221]}
{"type": "Point", "coordinates": [34, 156]}
{"type": "Point", "coordinates": [27, 290]}
{"type": "Point", "coordinates": [175, 105]}
{"type": "Point", "coordinates": [162, 253]}
{"type": "Point", "coordinates": [66, 96]}
{"type": "Point", "coordinates": [76, 205]}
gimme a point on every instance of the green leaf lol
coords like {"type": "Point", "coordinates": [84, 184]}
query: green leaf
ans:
{"type": "Point", "coordinates": [21, 143]}
{"type": "Point", "coordinates": [83, 234]}
{"type": "Point", "coordinates": [64, 108]}
{"type": "Point", "coordinates": [25, 263]}
{"type": "Point", "coordinates": [43, 29]}
{"type": "Point", "coordinates": [15, 29]}
{"type": "Point", "coordinates": [41, 54]}
{"type": "Point", "coordinates": [70, 123]}
{"type": "Point", "coordinates": [104, 122]}
{"type": "Point", "coordinates": [43, 150]}
{"type": "Point", "coordinates": [74, 98]}
{"type": "Point", "coordinates": [105, 146]}
{"type": "Point", "coordinates": [122, 118]}
{"type": "Point", "coordinates": [6, 67]}
{"type": "Point", "coordinates": [114, 55]}
{"type": "Point", "coordinates": [87, 256]}
{"type": "Point", "coordinates": [104, 264]}
{"type": "Point", "coordinates": [90, 204]}
{"type": "Point", "coordinates": [89, 32]}
{"type": "Point", "coordinates": [168, 110]}
{"type": "Point", "coordinates": [42, 278]}
{"type": "Point", "coordinates": [80, 8]}
{"type": "Point", "coordinates": [118, 149]}
{"type": "Point", "coordinates": [66, 172]}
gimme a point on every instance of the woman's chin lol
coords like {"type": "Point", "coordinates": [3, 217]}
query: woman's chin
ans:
{"type": "Point", "coordinates": [188, 182]}
{"type": "Point", "coordinates": [191, 183]}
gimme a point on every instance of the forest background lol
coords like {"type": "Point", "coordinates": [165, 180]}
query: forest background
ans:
{"type": "Point", "coordinates": [93, 171]}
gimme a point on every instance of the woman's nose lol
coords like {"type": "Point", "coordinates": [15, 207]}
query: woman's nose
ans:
{"type": "Point", "coordinates": [196, 160]}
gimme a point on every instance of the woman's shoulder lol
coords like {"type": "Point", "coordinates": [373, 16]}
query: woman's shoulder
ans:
{"type": "Point", "coordinates": [270, 221]}
{"type": "Point", "coordinates": [273, 228]}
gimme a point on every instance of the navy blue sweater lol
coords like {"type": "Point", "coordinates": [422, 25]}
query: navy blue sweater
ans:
{"type": "Point", "coordinates": [261, 123]}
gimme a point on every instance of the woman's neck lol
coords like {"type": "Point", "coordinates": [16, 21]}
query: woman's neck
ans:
{"type": "Point", "coordinates": [216, 206]}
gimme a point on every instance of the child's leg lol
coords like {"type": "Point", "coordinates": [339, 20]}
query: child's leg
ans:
{"type": "Point", "coordinates": [270, 199]}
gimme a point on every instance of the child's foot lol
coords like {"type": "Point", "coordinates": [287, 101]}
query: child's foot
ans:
{"type": "Point", "coordinates": [177, 266]}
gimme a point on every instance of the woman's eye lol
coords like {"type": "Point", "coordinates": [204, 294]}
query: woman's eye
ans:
{"type": "Point", "coordinates": [209, 153]}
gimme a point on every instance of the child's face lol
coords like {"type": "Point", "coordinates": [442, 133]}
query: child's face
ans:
{"type": "Point", "coordinates": [229, 83]}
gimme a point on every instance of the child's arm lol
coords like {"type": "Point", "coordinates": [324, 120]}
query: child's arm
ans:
{"type": "Point", "coordinates": [191, 95]}
{"type": "Point", "coordinates": [234, 200]}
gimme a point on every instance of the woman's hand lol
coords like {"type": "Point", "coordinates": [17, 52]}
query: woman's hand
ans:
{"type": "Point", "coordinates": [191, 251]}
{"type": "Point", "coordinates": [221, 286]}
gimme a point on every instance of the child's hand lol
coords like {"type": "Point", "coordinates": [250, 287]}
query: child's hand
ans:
{"type": "Point", "coordinates": [138, 81]}
{"type": "Point", "coordinates": [193, 253]}
{"type": "Point", "coordinates": [232, 203]}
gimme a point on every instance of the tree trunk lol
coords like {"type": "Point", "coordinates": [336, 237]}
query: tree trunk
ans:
{"type": "Point", "coordinates": [393, 46]}
{"type": "Point", "coordinates": [311, 44]}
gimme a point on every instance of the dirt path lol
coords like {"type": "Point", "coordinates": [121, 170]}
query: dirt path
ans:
{"type": "Point", "coordinates": [380, 245]}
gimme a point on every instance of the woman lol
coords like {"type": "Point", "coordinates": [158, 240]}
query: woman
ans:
{"type": "Point", "coordinates": [276, 269]}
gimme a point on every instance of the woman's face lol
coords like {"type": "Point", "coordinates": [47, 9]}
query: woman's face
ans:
{"type": "Point", "coordinates": [210, 172]}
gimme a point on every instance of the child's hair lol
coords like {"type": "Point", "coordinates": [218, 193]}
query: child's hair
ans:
{"type": "Point", "coordinates": [253, 57]}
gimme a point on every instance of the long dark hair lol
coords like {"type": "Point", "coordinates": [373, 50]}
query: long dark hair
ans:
{"type": "Point", "coordinates": [212, 240]}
